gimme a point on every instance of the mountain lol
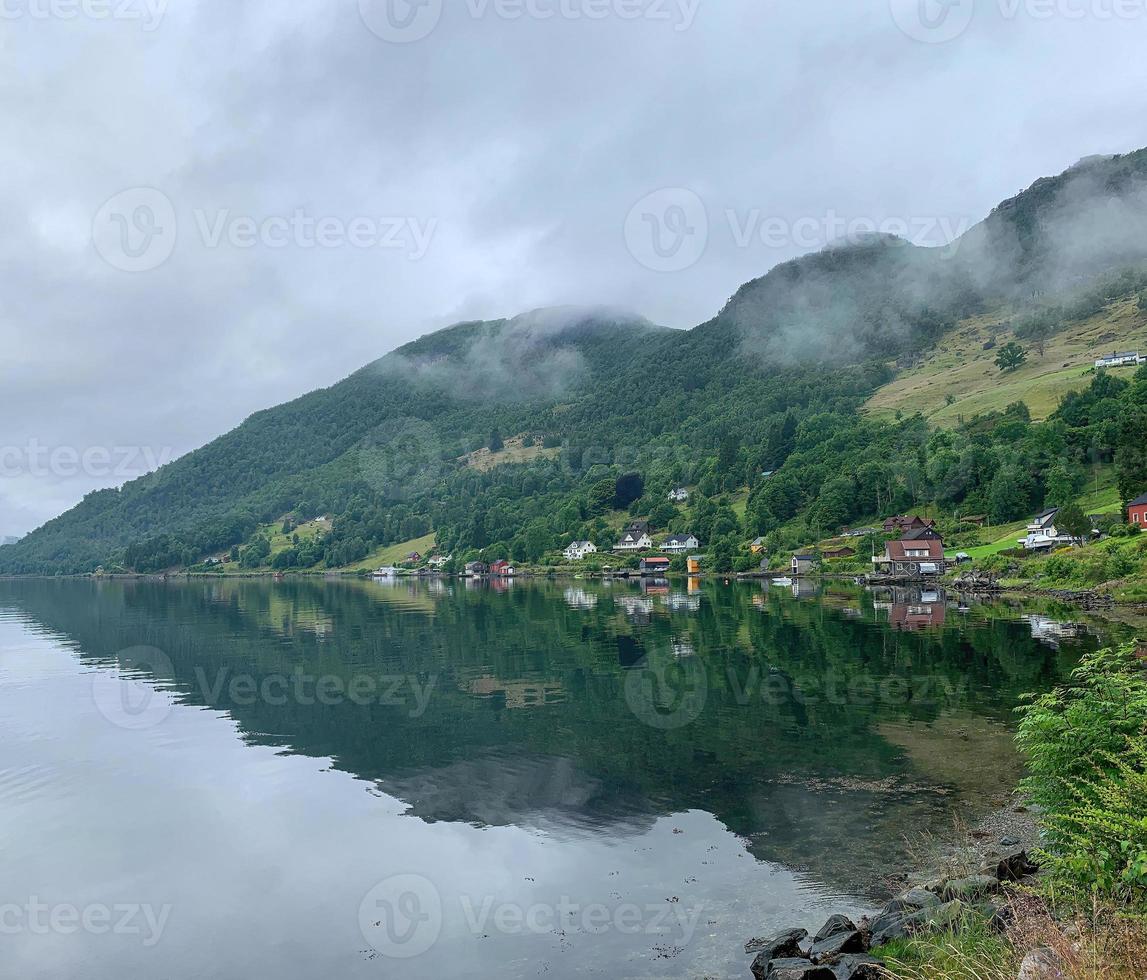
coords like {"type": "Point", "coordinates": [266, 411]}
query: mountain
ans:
{"type": "Point", "coordinates": [584, 396]}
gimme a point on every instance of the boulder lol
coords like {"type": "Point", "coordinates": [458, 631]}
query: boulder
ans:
{"type": "Point", "coordinates": [858, 968]}
{"type": "Point", "coordinates": [919, 898]}
{"type": "Point", "coordinates": [897, 924]}
{"type": "Point", "coordinates": [1042, 964]}
{"type": "Point", "coordinates": [949, 917]}
{"type": "Point", "coordinates": [792, 969]}
{"type": "Point", "coordinates": [971, 888]}
{"type": "Point", "coordinates": [834, 927]}
{"type": "Point", "coordinates": [837, 945]}
{"type": "Point", "coordinates": [784, 945]}
{"type": "Point", "coordinates": [1015, 865]}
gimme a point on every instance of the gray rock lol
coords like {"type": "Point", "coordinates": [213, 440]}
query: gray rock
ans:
{"type": "Point", "coordinates": [798, 970]}
{"type": "Point", "coordinates": [969, 889]}
{"type": "Point", "coordinates": [950, 917]}
{"type": "Point", "coordinates": [784, 945]}
{"type": "Point", "coordinates": [1042, 964]}
{"type": "Point", "coordinates": [1009, 842]}
{"type": "Point", "coordinates": [919, 898]}
{"type": "Point", "coordinates": [1015, 865]}
{"type": "Point", "coordinates": [837, 945]}
{"type": "Point", "coordinates": [859, 968]}
{"type": "Point", "coordinates": [834, 927]}
{"type": "Point", "coordinates": [897, 924]}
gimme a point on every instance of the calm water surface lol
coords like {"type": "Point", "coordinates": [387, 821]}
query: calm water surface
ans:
{"type": "Point", "coordinates": [369, 780]}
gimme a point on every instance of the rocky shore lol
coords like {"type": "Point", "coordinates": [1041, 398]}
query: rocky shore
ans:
{"type": "Point", "coordinates": [842, 949]}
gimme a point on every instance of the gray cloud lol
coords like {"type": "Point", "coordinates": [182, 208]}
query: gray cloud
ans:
{"type": "Point", "coordinates": [522, 142]}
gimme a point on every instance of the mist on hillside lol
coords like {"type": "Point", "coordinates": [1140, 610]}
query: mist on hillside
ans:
{"type": "Point", "coordinates": [885, 296]}
{"type": "Point", "coordinates": [536, 356]}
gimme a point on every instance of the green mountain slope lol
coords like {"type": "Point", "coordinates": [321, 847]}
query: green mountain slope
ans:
{"type": "Point", "coordinates": [776, 378]}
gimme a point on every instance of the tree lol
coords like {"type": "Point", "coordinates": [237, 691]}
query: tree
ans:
{"type": "Point", "coordinates": [628, 488]}
{"type": "Point", "coordinates": [1010, 356]}
{"type": "Point", "coordinates": [495, 445]}
{"type": "Point", "coordinates": [1073, 521]}
{"type": "Point", "coordinates": [601, 496]}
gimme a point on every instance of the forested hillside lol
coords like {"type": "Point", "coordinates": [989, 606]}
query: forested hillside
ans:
{"type": "Point", "coordinates": [608, 412]}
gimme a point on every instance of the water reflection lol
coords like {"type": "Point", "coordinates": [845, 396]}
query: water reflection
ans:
{"type": "Point", "coordinates": [817, 725]}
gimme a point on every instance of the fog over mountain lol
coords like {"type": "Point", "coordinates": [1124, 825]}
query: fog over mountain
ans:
{"type": "Point", "coordinates": [319, 194]}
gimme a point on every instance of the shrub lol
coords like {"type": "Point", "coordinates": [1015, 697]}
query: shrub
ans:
{"type": "Point", "coordinates": [1086, 745]}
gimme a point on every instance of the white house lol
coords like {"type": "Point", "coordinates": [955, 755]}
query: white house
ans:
{"type": "Point", "coordinates": [678, 496]}
{"type": "Point", "coordinates": [678, 544]}
{"type": "Point", "coordinates": [579, 549]}
{"type": "Point", "coordinates": [437, 561]}
{"type": "Point", "coordinates": [634, 541]}
{"type": "Point", "coordinates": [1120, 359]}
{"type": "Point", "coordinates": [1042, 532]}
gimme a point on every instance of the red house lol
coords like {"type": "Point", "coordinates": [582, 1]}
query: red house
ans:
{"type": "Point", "coordinates": [905, 522]}
{"type": "Point", "coordinates": [1137, 511]}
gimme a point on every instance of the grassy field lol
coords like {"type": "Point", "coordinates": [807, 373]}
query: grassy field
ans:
{"type": "Point", "coordinates": [512, 452]}
{"type": "Point", "coordinates": [960, 367]}
{"type": "Point", "coordinates": [392, 554]}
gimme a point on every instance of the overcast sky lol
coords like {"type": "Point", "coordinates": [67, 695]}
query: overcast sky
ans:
{"type": "Point", "coordinates": [210, 207]}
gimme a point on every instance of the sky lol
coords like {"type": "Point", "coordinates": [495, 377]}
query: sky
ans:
{"type": "Point", "coordinates": [212, 207]}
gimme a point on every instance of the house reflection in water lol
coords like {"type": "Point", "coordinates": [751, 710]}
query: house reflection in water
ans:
{"type": "Point", "coordinates": [1051, 632]}
{"type": "Point", "coordinates": [913, 609]}
{"type": "Point", "coordinates": [577, 598]}
{"type": "Point", "coordinates": [516, 694]}
{"type": "Point", "coordinates": [680, 602]}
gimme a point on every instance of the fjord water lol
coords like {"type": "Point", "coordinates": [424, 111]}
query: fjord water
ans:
{"type": "Point", "coordinates": [360, 779]}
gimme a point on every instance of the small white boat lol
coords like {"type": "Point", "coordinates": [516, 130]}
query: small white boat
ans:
{"type": "Point", "coordinates": [785, 582]}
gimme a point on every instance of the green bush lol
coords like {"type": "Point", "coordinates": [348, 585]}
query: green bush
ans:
{"type": "Point", "coordinates": [1086, 745]}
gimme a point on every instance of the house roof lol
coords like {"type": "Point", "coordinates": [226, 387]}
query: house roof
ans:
{"type": "Point", "coordinates": [1045, 516]}
{"type": "Point", "coordinates": [679, 539]}
{"type": "Point", "coordinates": [898, 550]}
{"type": "Point", "coordinates": [805, 557]}
{"type": "Point", "coordinates": [1138, 501]}
{"type": "Point", "coordinates": [582, 544]}
{"type": "Point", "coordinates": [920, 533]}
{"type": "Point", "coordinates": [657, 561]}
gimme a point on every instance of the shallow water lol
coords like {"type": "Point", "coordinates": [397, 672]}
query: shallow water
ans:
{"type": "Point", "coordinates": [360, 779]}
